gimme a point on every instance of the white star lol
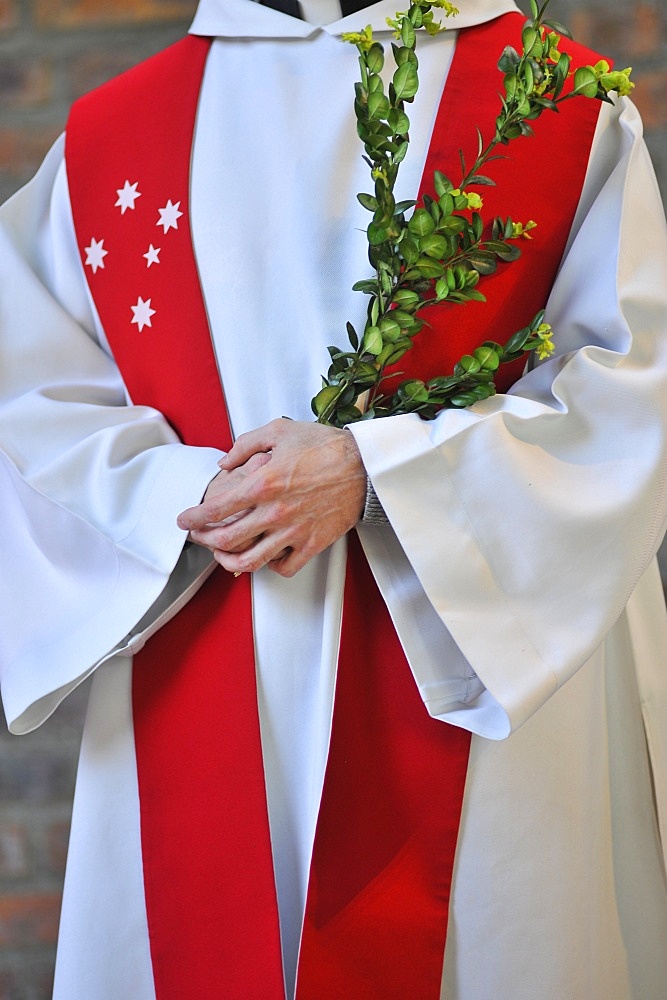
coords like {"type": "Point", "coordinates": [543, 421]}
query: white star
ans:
{"type": "Point", "coordinates": [169, 216]}
{"type": "Point", "coordinates": [127, 195]}
{"type": "Point", "coordinates": [152, 256]}
{"type": "Point", "coordinates": [142, 313]}
{"type": "Point", "coordinates": [95, 254]}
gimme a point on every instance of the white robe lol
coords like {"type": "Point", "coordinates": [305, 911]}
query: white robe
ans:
{"type": "Point", "coordinates": [520, 529]}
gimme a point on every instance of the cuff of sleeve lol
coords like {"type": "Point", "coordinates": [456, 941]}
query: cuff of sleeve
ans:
{"type": "Point", "coordinates": [374, 512]}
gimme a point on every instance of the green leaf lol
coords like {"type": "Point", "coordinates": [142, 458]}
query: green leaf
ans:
{"type": "Point", "coordinates": [352, 336]}
{"type": "Point", "coordinates": [365, 373]}
{"type": "Point", "coordinates": [376, 234]}
{"type": "Point", "coordinates": [558, 27]}
{"type": "Point", "coordinates": [517, 340]}
{"type": "Point", "coordinates": [529, 36]}
{"type": "Point", "coordinates": [323, 399]}
{"type": "Point", "coordinates": [482, 261]}
{"type": "Point", "coordinates": [463, 399]}
{"type": "Point", "coordinates": [399, 121]}
{"type": "Point", "coordinates": [585, 81]}
{"type": "Point", "coordinates": [510, 84]}
{"type": "Point", "coordinates": [368, 201]}
{"type": "Point", "coordinates": [378, 105]}
{"type": "Point", "coordinates": [413, 389]}
{"type": "Point", "coordinates": [403, 206]}
{"type": "Point", "coordinates": [452, 224]}
{"type": "Point", "coordinates": [488, 358]}
{"type": "Point", "coordinates": [403, 319]}
{"type": "Point", "coordinates": [434, 246]}
{"type": "Point", "coordinates": [528, 78]}
{"type": "Point", "coordinates": [368, 286]}
{"type": "Point", "coordinates": [441, 289]}
{"type": "Point", "coordinates": [509, 60]}
{"type": "Point", "coordinates": [504, 251]}
{"type": "Point", "coordinates": [441, 183]}
{"type": "Point", "coordinates": [399, 155]}
{"type": "Point", "coordinates": [409, 250]}
{"type": "Point", "coordinates": [482, 180]}
{"type": "Point", "coordinates": [372, 340]}
{"type": "Point", "coordinates": [406, 298]}
{"type": "Point", "coordinates": [428, 268]}
{"type": "Point", "coordinates": [406, 82]}
{"type": "Point", "coordinates": [408, 33]}
{"type": "Point", "coordinates": [446, 203]}
{"type": "Point", "coordinates": [390, 329]}
{"type": "Point", "coordinates": [375, 58]}
{"type": "Point", "coordinates": [467, 365]}
{"type": "Point", "coordinates": [394, 352]}
{"type": "Point", "coordinates": [421, 223]}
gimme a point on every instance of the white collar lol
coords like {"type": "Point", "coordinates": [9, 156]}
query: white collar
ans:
{"type": "Point", "coordinates": [247, 19]}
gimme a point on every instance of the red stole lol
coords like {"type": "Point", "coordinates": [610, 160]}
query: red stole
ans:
{"type": "Point", "coordinates": [382, 864]}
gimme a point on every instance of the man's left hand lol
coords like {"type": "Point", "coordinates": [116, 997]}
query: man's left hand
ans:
{"type": "Point", "coordinates": [286, 491]}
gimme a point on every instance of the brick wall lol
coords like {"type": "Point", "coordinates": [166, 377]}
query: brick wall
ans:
{"type": "Point", "coordinates": [50, 52]}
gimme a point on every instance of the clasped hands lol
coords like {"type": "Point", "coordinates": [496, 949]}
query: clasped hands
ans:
{"type": "Point", "coordinates": [284, 493]}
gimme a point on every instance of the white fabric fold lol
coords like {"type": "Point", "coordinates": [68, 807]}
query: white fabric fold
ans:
{"type": "Point", "coordinates": [560, 480]}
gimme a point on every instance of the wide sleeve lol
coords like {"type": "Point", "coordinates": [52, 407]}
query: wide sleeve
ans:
{"type": "Point", "coordinates": [523, 524]}
{"type": "Point", "coordinates": [90, 485]}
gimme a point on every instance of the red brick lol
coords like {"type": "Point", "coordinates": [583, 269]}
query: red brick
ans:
{"type": "Point", "coordinates": [79, 13]}
{"type": "Point", "coordinates": [14, 851]}
{"type": "Point", "coordinates": [646, 33]}
{"type": "Point", "coordinates": [9, 15]}
{"type": "Point", "coordinates": [635, 31]}
{"type": "Point", "coordinates": [22, 149]}
{"type": "Point", "coordinates": [29, 919]}
{"type": "Point", "coordinates": [28, 979]}
{"type": "Point", "coordinates": [649, 96]}
{"type": "Point", "coordinates": [25, 84]}
{"type": "Point", "coordinates": [57, 839]}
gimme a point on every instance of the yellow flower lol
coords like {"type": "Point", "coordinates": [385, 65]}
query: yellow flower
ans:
{"type": "Point", "coordinates": [394, 24]}
{"type": "Point", "coordinates": [545, 348]}
{"type": "Point", "coordinates": [449, 8]}
{"type": "Point", "coordinates": [362, 39]}
{"type": "Point", "coordinates": [474, 200]}
{"type": "Point", "coordinates": [518, 229]}
{"type": "Point", "coordinates": [619, 80]}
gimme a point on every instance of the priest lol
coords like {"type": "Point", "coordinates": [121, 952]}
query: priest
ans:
{"type": "Point", "coordinates": [376, 712]}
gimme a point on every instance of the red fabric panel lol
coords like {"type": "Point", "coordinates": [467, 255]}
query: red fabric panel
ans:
{"type": "Point", "coordinates": [376, 917]}
{"type": "Point", "coordinates": [136, 123]}
{"type": "Point", "coordinates": [208, 869]}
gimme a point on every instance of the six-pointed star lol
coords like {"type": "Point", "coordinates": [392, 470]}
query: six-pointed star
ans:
{"type": "Point", "coordinates": [95, 254]}
{"type": "Point", "coordinates": [127, 195]}
{"type": "Point", "coordinates": [152, 255]}
{"type": "Point", "coordinates": [169, 216]}
{"type": "Point", "coordinates": [142, 313]}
